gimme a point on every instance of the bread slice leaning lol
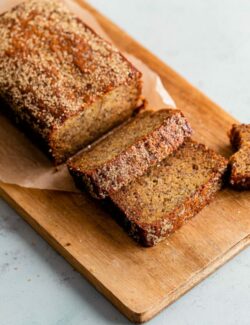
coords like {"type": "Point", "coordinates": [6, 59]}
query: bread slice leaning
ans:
{"type": "Point", "coordinates": [129, 151]}
{"type": "Point", "coordinates": [157, 203]}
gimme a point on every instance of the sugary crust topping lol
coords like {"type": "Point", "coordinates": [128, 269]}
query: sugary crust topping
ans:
{"type": "Point", "coordinates": [52, 65]}
{"type": "Point", "coordinates": [240, 161]}
{"type": "Point", "coordinates": [149, 234]}
{"type": "Point", "coordinates": [240, 135]}
{"type": "Point", "coordinates": [152, 137]}
{"type": "Point", "coordinates": [153, 196]}
{"type": "Point", "coordinates": [136, 130]}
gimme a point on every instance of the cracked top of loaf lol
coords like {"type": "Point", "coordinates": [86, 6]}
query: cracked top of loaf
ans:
{"type": "Point", "coordinates": [52, 65]}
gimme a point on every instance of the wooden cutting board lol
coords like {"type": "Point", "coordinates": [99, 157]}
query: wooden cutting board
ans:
{"type": "Point", "coordinates": [140, 282]}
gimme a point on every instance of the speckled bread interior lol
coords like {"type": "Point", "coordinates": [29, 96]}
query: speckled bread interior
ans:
{"type": "Point", "coordinates": [239, 135]}
{"type": "Point", "coordinates": [159, 202]}
{"type": "Point", "coordinates": [100, 117]}
{"type": "Point", "coordinates": [129, 151]}
{"type": "Point", "coordinates": [240, 161]}
{"type": "Point", "coordinates": [60, 79]}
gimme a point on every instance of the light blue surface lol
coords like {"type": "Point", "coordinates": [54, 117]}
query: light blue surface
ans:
{"type": "Point", "coordinates": [208, 43]}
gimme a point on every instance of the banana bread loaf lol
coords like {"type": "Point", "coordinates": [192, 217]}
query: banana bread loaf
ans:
{"type": "Point", "coordinates": [129, 151]}
{"type": "Point", "coordinates": [160, 201]}
{"type": "Point", "coordinates": [240, 161]}
{"type": "Point", "coordinates": [61, 81]}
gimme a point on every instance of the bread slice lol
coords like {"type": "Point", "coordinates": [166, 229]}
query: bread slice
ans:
{"type": "Point", "coordinates": [129, 151]}
{"type": "Point", "coordinates": [159, 202]}
{"type": "Point", "coordinates": [63, 84]}
{"type": "Point", "coordinates": [240, 161]}
{"type": "Point", "coordinates": [239, 135]}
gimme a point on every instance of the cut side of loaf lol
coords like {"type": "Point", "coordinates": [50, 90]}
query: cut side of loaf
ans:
{"type": "Point", "coordinates": [159, 202]}
{"type": "Point", "coordinates": [129, 151]}
{"type": "Point", "coordinates": [62, 83]}
{"type": "Point", "coordinates": [240, 161]}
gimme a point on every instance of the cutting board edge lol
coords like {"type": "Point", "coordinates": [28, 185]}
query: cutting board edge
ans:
{"type": "Point", "coordinates": [193, 281]}
{"type": "Point", "coordinates": [133, 315]}
{"type": "Point", "coordinates": [5, 193]}
{"type": "Point", "coordinates": [136, 316]}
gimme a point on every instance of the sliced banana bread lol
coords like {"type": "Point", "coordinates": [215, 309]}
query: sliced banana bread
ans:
{"type": "Point", "coordinates": [240, 161]}
{"type": "Point", "coordinates": [159, 202]}
{"type": "Point", "coordinates": [63, 84]}
{"type": "Point", "coordinates": [239, 135]}
{"type": "Point", "coordinates": [129, 151]}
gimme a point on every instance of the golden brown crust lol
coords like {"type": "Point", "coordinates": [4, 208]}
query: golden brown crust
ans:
{"type": "Point", "coordinates": [134, 215]}
{"type": "Point", "coordinates": [53, 66]}
{"type": "Point", "coordinates": [134, 160]}
{"type": "Point", "coordinates": [239, 135]}
{"type": "Point", "coordinates": [240, 161]}
{"type": "Point", "coordinates": [149, 235]}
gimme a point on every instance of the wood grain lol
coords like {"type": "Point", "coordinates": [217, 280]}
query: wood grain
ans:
{"type": "Point", "coordinates": [142, 281]}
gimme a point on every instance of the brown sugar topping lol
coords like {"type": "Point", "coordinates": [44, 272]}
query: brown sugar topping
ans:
{"type": "Point", "coordinates": [162, 200]}
{"type": "Point", "coordinates": [52, 65]}
{"type": "Point", "coordinates": [128, 151]}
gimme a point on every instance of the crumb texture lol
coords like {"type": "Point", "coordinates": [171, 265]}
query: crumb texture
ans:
{"type": "Point", "coordinates": [239, 135]}
{"type": "Point", "coordinates": [128, 151]}
{"type": "Point", "coordinates": [240, 160]}
{"type": "Point", "coordinates": [53, 66]}
{"type": "Point", "coordinates": [161, 200]}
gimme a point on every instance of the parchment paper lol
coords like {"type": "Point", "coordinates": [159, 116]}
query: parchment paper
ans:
{"type": "Point", "coordinates": [23, 164]}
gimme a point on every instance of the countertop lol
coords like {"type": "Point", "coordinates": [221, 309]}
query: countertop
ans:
{"type": "Point", "coordinates": [207, 42]}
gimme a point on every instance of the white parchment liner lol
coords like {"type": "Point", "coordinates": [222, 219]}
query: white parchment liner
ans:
{"type": "Point", "coordinates": [22, 163]}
